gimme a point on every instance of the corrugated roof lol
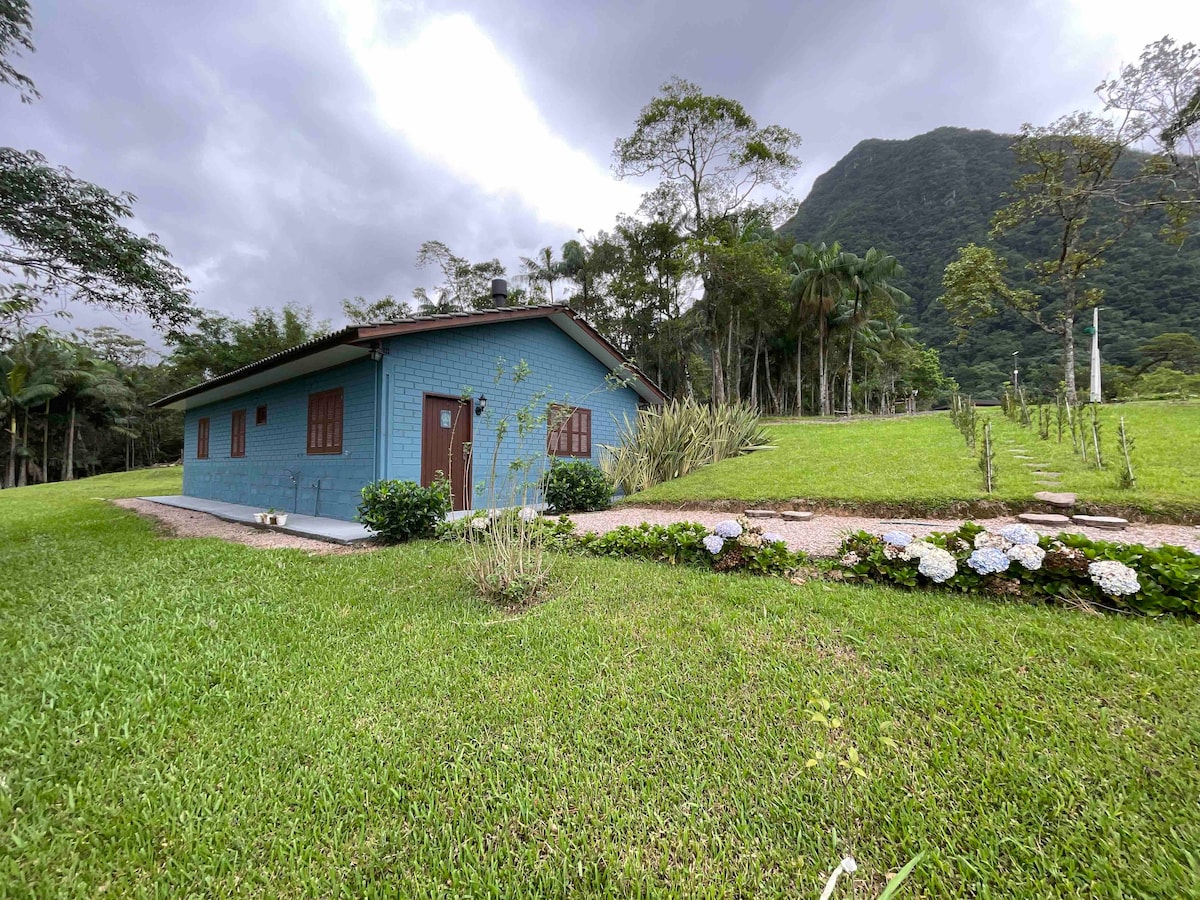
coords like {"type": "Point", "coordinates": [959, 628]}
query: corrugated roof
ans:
{"type": "Point", "coordinates": [359, 334]}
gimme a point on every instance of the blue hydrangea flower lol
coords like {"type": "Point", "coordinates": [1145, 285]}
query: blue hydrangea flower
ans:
{"type": "Point", "coordinates": [899, 539]}
{"type": "Point", "coordinates": [770, 537]}
{"type": "Point", "coordinates": [1019, 534]}
{"type": "Point", "coordinates": [713, 543]}
{"type": "Point", "coordinates": [988, 561]}
{"type": "Point", "coordinates": [728, 529]}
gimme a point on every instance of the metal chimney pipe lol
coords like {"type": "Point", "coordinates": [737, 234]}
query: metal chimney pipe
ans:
{"type": "Point", "coordinates": [499, 292]}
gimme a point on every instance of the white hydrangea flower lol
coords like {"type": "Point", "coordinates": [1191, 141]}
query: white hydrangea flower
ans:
{"type": "Point", "coordinates": [1028, 555]}
{"type": "Point", "coordinates": [1114, 578]}
{"type": "Point", "coordinates": [851, 559]}
{"type": "Point", "coordinates": [1019, 533]}
{"type": "Point", "coordinates": [988, 541]}
{"type": "Point", "coordinates": [917, 549]}
{"type": "Point", "coordinates": [937, 564]}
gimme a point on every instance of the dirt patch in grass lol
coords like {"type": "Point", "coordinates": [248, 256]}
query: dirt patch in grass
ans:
{"type": "Point", "coordinates": [175, 522]}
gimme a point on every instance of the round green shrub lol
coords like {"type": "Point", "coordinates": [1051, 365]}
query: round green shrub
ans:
{"type": "Point", "coordinates": [577, 486]}
{"type": "Point", "coordinates": [403, 510]}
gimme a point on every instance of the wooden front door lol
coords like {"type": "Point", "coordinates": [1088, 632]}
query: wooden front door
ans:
{"type": "Point", "coordinates": [446, 445]}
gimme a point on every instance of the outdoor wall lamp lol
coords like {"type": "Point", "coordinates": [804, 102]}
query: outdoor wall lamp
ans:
{"type": "Point", "coordinates": [480, 405]}
{"type": "Point", "coordinates": [378, 352]}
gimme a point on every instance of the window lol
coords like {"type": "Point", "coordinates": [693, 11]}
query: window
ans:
{"type": "Point", "coordinates": [237, 433]}
{"type": "Point", "coordinates": [202, 439]}
{"type": "Point", "coordinates": [325, 422]}
{"type": "Point", "coordinates": [569, 431]}
{"type": "Point", "coordinates": [260, 416]}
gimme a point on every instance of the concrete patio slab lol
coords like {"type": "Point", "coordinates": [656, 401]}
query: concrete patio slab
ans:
{"type": "Point", "coordinates": [320, 528]}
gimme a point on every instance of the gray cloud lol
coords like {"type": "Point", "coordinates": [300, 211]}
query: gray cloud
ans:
{"type": "Point", "coordinates": [249, 135]}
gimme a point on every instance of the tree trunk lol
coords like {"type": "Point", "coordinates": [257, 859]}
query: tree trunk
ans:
{"type": "Point", "coordinates": [850, 373]}
{"type": "Point", "coordinates": [754, 368]}
{"type": "Point", "coordinates": [823, 366]}
{"type": "Point", "coordinates": [1069, 352]}
{"type": "Point", "coordinates": [68, 466]}
{"type": "Point", "coordinates": [46, 443]}
{"type": "Point", "coordinates": [23, 466]}
{"type": "Point", "coordinates": [718, 375]}
{"type": "Point", "coordinates": [10, 469]}
{"type": "Point", "coordinates": [799, 372]}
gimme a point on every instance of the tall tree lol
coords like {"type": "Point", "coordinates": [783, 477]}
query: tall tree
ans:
{"type": "Point", "coordinates": [465, 285]}
{"type": "Point", "coordinates": [63, 239]}
{"type": "Point", "coordinates": [16, 29]}
{"type": "Point", "coordinates": [1160, 99]}
{"type": "Point", "coordinates": [711, 157]}
{"type": "Point", "coordinates": [1076, 191]}
{"type": "Point", "coordinates": [871, 288]}
{"type": "Point", "coordinates": [542, 269]}
{"type": "Point", "coordinates": [821, 276]}
{"type": "Point", "coordinates": [361, 311]}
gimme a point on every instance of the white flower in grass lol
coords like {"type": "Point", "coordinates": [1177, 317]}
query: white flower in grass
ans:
{"type": "Point", "coordinates": [713, 543]}
{"type": "Point", "coordinates": [987, 541]}
{"type": "Point", "coordinates": [1028, 555]}
{"type": "Point", "coordinates": [1019, 533]}
{"type": "Point", "coordinates": [770, 537]}
{"type": "Point", "coordinates": [728, 529]}
{"type": "Point", "coordinates": [937, 565]}
{"type": "Point", "coordinates": [1114, 578]}
{"type": "Point", "coordinates": [851, 559]}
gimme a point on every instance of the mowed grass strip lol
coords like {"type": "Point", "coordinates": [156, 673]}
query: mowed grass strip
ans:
{"type": "Point", "coordinates": [924, 461]}
{"type": "Point", "coordinates": [1166, 457]}
{"type": "Point", "coordinates": [196, 717]}
{"type": "Point", "coordinates": [914, 458]}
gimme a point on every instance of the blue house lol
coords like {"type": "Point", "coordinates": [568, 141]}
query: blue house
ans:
{"type": "Point", "coordinates": [304, 430]}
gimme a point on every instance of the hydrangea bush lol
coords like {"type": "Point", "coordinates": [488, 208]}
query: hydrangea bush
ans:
{"type": "Point", "coordinates": [1017, 561]}
{"type": "Point", "coordinates": [732, 545]}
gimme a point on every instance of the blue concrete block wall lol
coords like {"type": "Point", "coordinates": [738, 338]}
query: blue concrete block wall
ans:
{"type": "Point", "coordinates": [464, 359]}
{"type": "Point", "coordinates": [276, 450]}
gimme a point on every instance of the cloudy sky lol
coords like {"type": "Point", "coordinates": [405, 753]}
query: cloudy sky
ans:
{"type": "Point", "coordinates": [301, 150]}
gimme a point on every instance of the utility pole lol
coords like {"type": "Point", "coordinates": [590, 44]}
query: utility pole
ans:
{"type": "Point", "coordinates": [1096, 392]}
{"type": "Point", "coordinates": [1015, 369]}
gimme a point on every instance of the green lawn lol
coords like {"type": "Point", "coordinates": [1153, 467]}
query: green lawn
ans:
{"type": "Point", "coordinates": [923, 461]}
{"type": "Point", "coordinates": [190, 717]}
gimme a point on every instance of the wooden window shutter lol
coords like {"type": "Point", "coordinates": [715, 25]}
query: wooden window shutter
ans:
{"type": "Point", "coordinates": [570, 431]}
{"type": "Point", "coordinates": [237, 433]}
{"type": "Point", "coordinates": [325, 422]}
{"type": "Point", "coordinates": [202, 439]}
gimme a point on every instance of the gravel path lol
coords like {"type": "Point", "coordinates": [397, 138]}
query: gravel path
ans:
{"type": "Point", "coordinates": [188, 523]}
{"type": "Point", "coordinates": [821, 535]}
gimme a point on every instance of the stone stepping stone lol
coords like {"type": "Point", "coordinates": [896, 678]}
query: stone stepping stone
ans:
{"type": "Point", "coordinates": [791, 515]}
{"type": "Point", "coordinates": [761, 514]}
{"type": "Point", "coordinates": [1061, 500]}
{"type": "Point", "coordinates": [1112, 523]}
{"type": "Point", "coordinates": [1051, 519]}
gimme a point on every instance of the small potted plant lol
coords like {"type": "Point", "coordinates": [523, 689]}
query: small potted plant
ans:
{"type": "Point", "coordinates": [261, 517]}
{"type": "Point", "coordinates": [275, 518]}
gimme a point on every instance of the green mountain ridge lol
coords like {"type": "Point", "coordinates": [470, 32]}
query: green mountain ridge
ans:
{"type": "Point", "coordinates": [922, 198]}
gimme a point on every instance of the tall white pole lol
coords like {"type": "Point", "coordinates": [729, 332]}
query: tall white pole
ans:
{"type": "Point", "coordinates": [1096, 396]}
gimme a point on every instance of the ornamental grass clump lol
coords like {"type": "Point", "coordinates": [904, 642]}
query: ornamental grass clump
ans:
{"type": "Point", "coordinates": [678, 438]}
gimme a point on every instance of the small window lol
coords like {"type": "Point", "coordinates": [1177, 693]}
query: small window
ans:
{"type": "Point", "coordinates": [569, 431]}
{"type": "Point", "coordinates": [237, 433]}
{"type": "Point", "coordinates": [202, 439]}
{"type": "Point", "coordinates": [260, 416]}
{"type": "Point", "coordinates": [325, 422]}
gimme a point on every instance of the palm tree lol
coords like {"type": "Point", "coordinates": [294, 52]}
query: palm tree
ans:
{"type": "Point", "coordinates": [821, 275]}
{"type": "Point", "coordinates": [20, 388]}
{"type": "Point", "coordinates": [870, 289]}
{"type": "Point", "coordinates": [543, 268]}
